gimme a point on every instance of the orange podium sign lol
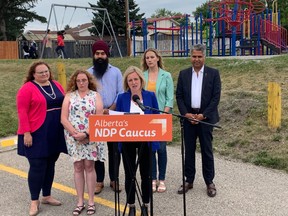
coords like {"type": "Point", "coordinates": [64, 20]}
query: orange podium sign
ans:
{"type": "Point", "coordinates": [130, 128]}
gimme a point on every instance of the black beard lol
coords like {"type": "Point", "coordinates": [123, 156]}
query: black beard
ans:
{"type": "Point", "coordinates": [100, 67]}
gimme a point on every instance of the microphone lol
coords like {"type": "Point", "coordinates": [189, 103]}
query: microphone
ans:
{"type": "Point", "coordinates": [136, 99]}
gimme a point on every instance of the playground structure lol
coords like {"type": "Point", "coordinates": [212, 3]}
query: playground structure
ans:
{"type": "Point", "coordinates": [103, 19]}
{"type": "Point", "coordinates": [178, 43]}
{"type": "Point", "coordinates": [232, 27]}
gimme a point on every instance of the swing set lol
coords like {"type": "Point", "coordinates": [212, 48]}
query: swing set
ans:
{"type": "Point", "coordinates": [103, 19]}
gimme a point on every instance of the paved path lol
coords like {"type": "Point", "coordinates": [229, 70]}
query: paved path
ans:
{"type": "Point", "coordinates": [243, 189]}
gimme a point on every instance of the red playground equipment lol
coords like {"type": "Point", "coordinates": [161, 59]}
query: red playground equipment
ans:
{"type": "Point", "coordinates": [231, 27]}
{"type": "Point", "coordinates": [249, 22]}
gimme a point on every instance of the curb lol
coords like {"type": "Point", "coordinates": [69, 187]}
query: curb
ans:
{"type": "Point", "coordinates": [8, 143]}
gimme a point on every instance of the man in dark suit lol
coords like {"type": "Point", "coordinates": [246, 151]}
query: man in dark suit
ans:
{"type": "Point", "coordinates": [198, 95]}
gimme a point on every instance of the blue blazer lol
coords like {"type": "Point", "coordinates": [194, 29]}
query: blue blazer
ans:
{"type": "Point", "coordinates": [149, 99]}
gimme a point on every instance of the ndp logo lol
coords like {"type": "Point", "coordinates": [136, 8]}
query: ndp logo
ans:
{"type": "Point", "coordinates": [130, 127]}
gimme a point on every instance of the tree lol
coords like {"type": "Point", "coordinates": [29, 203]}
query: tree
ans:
{"type": "Point", "coordinates": [203, 9]}
{"type": "Point", "coordinates": [14, 15]}
{"type": "Point", "coordinates": [162, 12]}
{"type": "Point", "coordinates": [67, 27]}
{"type": "Point", "coordinates": [283, 8]}
{"type": "Point", "coordinates": [116, 10]}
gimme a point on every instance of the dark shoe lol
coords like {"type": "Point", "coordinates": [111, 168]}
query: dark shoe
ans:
{"type": "Point", "coordinates": [187, 187]}
{"type": "Point", "coordinates": [211, 190]}
{"type": "Point", "coordinates": [99, 187]}
{"type": "Point", "coordinates": [78, 210]}
{"type": "Point", "coordinates": [144, 210]}
{"type": "Point", "coordinates": [91, 209]}
{"type": "Point", "coordinates": [132, 211]}
{"type": "Point", "coordinates": [115, 187]}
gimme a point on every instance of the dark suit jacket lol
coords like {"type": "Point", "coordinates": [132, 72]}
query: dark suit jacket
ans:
{"type": "Point", "coordinates": [211, 91]}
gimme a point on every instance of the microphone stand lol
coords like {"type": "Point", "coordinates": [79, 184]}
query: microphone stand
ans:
{"type": "Point", "coordinates": [117, 157]}
{"type": "Point", "coordinates": [182, 119]}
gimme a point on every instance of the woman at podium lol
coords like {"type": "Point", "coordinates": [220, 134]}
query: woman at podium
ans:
{"type": "Point", "coordinates": [133, 100]}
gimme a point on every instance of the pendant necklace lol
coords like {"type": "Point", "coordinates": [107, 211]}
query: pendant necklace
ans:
{"type": "Point", "coordinates": [52, 95]}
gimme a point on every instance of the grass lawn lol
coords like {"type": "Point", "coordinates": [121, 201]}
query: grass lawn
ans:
{"type": "Point", "coordinates": [243, 107]}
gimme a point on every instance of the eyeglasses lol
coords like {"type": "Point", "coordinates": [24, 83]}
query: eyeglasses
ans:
{"type": "Point", "coordinates": [81, 81]}
{"type": "Point", "coordinates": [42, 72]}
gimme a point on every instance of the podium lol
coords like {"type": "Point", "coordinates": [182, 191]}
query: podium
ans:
{"type": "Point", "coordinates": [132, 128]}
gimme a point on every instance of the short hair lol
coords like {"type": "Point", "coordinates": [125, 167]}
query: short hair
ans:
{"type": "Point", "coordinates": [129, 70]}
{"type": "Point", "coordinates": [32, 70]}
{"type": "Point", "coordinates": [157, 53]}
{"type": "Point", "coordinates": [199, 47]}
{"type": "Point", "coordinates": [72, 85]}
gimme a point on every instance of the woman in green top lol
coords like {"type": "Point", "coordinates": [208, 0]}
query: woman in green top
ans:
{"type": "Point", "coordinates": [159, 81]}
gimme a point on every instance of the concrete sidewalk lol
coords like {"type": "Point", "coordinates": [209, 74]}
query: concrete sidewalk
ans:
{"type": "Point", "coordinates": [242, 189]}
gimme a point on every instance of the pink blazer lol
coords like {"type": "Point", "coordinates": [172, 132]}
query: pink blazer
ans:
{"type": "Point", "coordinates": [31, 107]}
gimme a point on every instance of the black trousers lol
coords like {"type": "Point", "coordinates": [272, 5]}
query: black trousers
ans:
{"type": "Point", "coordinates": [204, 133]}
{"type": "Point", "coordinates": [41, 175]}
{"type": "Point", "coordinates": [113, 157]}
{"type": "Point", "coordinates": [129, 153]}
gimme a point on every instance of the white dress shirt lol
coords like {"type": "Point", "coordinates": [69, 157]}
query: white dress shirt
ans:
{"type": "Point", "coordinates": [196, 88]}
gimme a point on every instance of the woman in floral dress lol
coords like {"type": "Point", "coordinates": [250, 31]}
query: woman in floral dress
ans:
{"type": "Point", "coordinates": [81, 101]}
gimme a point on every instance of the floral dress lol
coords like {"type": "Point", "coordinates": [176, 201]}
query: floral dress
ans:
{"type": "Point", "coordinates": [79, 111]}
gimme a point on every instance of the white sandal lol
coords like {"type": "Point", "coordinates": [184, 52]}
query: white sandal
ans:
{"type": "Point", "coordinates": [154, 185]}
{"type": "Point", "coordinates": [161, 187]}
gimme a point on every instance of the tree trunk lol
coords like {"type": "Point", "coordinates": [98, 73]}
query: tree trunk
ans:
{"type": "Point", "coordinates": [3, 36]}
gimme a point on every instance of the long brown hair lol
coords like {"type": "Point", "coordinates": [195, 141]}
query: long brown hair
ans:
{"type": "Point", "coordinates": [157, 53]}
{"type": "Point", "coordinates": [72, 85]}
{"type": "Point", "coordinates": [32, 68]}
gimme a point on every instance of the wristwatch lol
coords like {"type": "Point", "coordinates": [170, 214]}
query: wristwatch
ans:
{"type": "Point", "coordinates": [87, 135]}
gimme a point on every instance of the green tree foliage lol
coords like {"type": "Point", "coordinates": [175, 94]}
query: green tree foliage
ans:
{"type": "Point", "coordinates": [162, 12]}
{"type": "Point", "coordinates": [14, 15]}
{"type": "Point", "coordinates": [283, 8]}
{"type": "Point", "coordinates": [203, 9]}
{"type": "Point", "coordinates": [67, 27]}
{"type": "Point", "coordinates": [116, 10]}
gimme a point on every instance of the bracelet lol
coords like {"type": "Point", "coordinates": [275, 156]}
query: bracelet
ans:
{"type": "Point", "coordinates": [87, 135]}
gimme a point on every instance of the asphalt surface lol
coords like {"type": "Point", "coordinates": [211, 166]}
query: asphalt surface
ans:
{"type": "Point", "coordinates": [242, 189]}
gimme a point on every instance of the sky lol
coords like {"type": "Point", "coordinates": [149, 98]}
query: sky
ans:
{"type": "Point", "coordinates": [80, 16]}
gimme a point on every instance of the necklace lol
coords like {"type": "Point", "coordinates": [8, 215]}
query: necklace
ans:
{"type": "Point", "coordinates": [52, 95]}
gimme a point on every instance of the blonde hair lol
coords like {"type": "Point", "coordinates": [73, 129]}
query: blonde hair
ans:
{"type": "Point", "coordinates": [72, 85]}
{"type": "Point", "coordinates": [129, 70]}
{"type": "Point", "coordinates": [157, 53]}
